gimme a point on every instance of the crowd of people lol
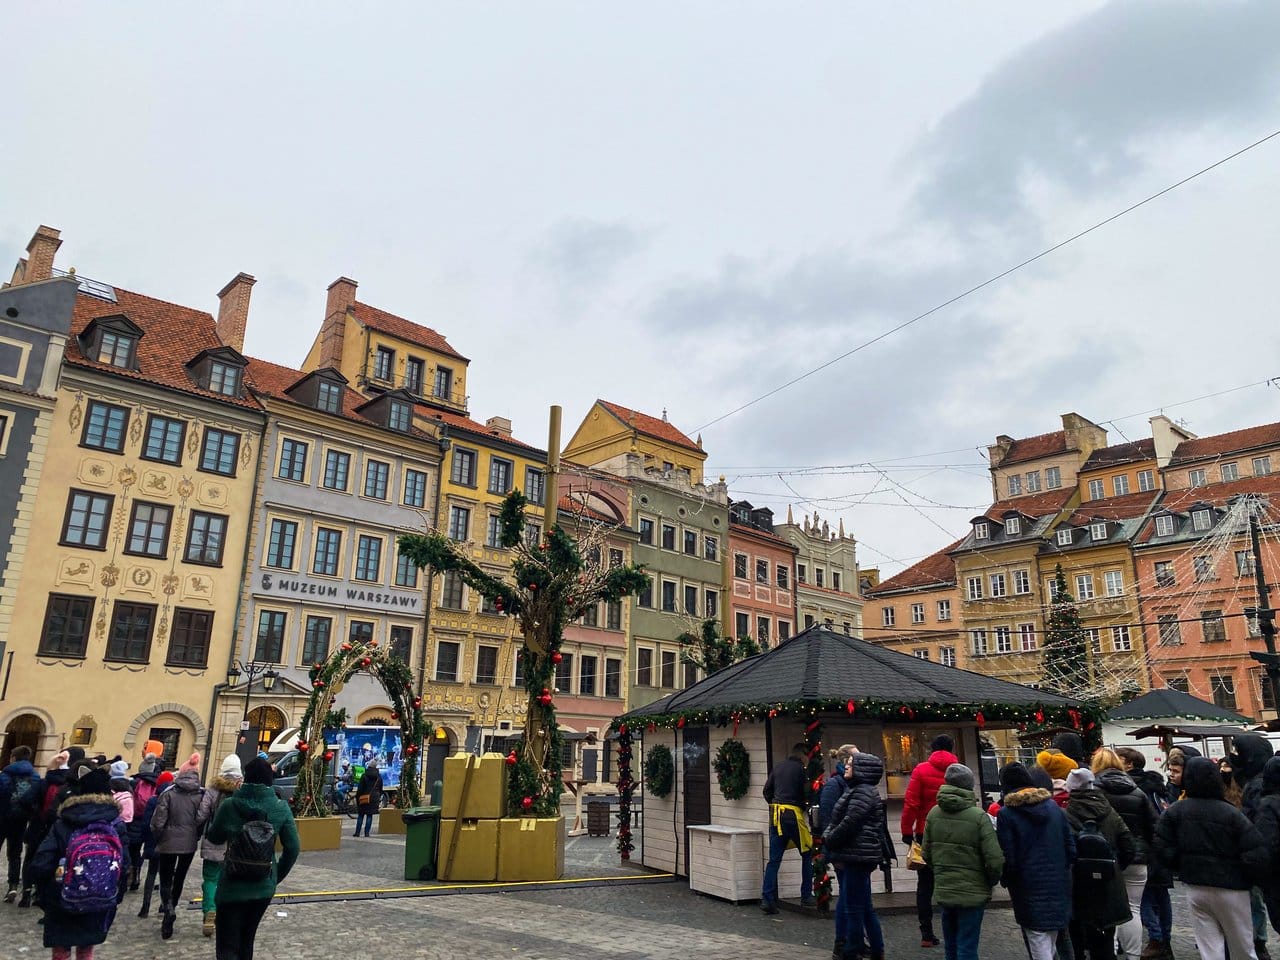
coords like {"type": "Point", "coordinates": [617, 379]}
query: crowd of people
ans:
{"type": "Point", "coordinates": [1088, 845]}
{"type": "Point", "coordinates": [85, 835]}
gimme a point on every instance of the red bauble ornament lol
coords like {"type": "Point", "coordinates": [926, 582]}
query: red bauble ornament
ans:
{"type": "Point", "coordinates": [557, 657]}
{"type": "Point", "coordinates": [417, 702]}
{"type": "Point", "coordinates": [680, 723]}
{"type": "Point", "coordinates": [365, 662]}
{"type": "Point", "coordinates": [328, 755]}
{"type": "Point", "coordinates": [303, 747]}
{"type": "Point", "coordinates": [851, 706]}
{"type": "Point", "coordinates": [527, 803]}
{"type": "Point", "coordinates": [533, 586]}
{"type": "Point", "coordinates": [373, 643]}
{"type": "Point", "coordinates": [1039, 716]}
{"type": "Point", "coordinates": [345, 645]}
{"type": "Point", "coordinates": [772, 714]}
{"type": "Point", "coordinates": [511, 759]}
{"type": "Point", "coordinates": [981, 720]}
{"type": "Point", "coordinates": [411, 749]}
{"type": "Point", "coordinates": [395, 716]}
{"type": "Point", "coordinates": [816, 785]}
{"type": "Point", "coordinates": [622, 729]}
{"type": "Point", "coordinates": [544, 697]}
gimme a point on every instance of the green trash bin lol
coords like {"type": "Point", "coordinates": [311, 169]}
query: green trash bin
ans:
{"type": "Point", "coordinates": [421, 828]}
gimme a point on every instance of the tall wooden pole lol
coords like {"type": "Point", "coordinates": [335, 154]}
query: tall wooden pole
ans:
{"type": "Point", "coordinates": [552, 486]}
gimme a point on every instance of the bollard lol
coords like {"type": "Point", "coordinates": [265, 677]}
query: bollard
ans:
{"type": "Point", "coordinates": [437, 792]}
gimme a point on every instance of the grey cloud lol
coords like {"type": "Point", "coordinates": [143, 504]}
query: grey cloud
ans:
{"type": "Point", "coordinates": [586, 253]}
{"type": "Point", "coordinates": [1079, 107]}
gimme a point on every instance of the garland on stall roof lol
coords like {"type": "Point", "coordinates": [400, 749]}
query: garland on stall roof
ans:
{"type": "Point", "coordinates": [626, 787]}
{"type": "Point", "coordinates": [733, 769]}
{"type": "Point", "coordinates": [1085, 717]}
{"type": "Point", "coordinates": [816, 775]}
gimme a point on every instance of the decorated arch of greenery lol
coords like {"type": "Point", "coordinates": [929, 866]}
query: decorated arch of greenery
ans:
{"type": "Point", "coordinates": [327, 680]}
{"type": "Point", "coordinates": [552, 581]}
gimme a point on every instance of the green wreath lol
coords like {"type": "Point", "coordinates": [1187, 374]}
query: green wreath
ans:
{"type": "Point", "coordinates": [733, 769]}
{"type": "Point", "coordinates": [659, 771]}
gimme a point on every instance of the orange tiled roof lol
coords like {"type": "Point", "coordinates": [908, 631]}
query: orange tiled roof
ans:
{"type": "Point", "coordinates": [1236, 441]}
{"type": "Point", "coordinates": [1126, 507]}
{"type": "Point", "coordinates": [273, 380]}
{"type": "Point", "coordinates": [172, 336]}
{"type": "Point", "coordinates": [1033, 448]}
{"type": "Point", "coordinates": [577, 508]}
{"type": "Point", "coordinates": [1121, 453]}
{"type": "Point", "coordinates": [934, 571]}
{"type": "Point", "coordinates": [649, 426]}
{"type": "Point", "coordinates": [1039, 505]}
{"type": "Point", "coordinates": [395, 326]}
{"type": "Point", "coordinates": [457, 420]}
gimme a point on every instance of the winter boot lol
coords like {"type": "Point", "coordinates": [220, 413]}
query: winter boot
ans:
{"type": "Point", "coordinates": [26, 898]}
{"type": "Point", "coordinates": [12, 895]}
{"type": "Point", "coordinates": [210, 920]}
{"type": "Point", "coordinates": [133, 877]}
{"type": "Point", "coordinates": [1154, 950]}
{"type": "Point", "coordinates": [166, 924]}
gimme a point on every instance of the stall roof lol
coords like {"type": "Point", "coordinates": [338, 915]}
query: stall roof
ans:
{"type": "Point", "coordinates": [1196, 731]}
{"type": "Point", "coordinates": [820, 664]}
{"type": "Point", "coordinates": [1166, 702]}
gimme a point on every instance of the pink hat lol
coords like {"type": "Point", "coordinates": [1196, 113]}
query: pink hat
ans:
{"type": "Point", "coordinates": [193, 763]}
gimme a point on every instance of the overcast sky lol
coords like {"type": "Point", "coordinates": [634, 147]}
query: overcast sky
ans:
{"type": "Point", "coordinates": [686, 205]}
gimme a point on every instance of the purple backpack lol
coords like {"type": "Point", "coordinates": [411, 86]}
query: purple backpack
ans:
{"type": "Point", "coordinates": [95, 861]}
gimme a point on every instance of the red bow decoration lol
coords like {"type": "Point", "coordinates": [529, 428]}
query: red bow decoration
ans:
{"type": "Point", "coordinates": [851, 706]}
{"type": "Point", "coordinates": [982, 721]}
{"type": "Point", "coordinates": [813, 725]}
{"type": "Point", "coordinates": [737, 718]}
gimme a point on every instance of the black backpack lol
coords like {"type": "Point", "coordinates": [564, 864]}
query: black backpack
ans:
{"type": "Point", "coordinates": [24, 798]}
{"type": "Point", "coordinates": [1095, 857]}
{"type": "Point", "coordinates": [251, 853]}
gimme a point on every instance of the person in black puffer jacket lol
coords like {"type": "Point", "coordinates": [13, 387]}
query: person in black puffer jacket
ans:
{"type": "Point", "coordinates": [1098, 907]}
{"type": "Point", "coordinates": [832, 790]}
{"type": "Point", "coordinates": [1219, 855]}
{"type": "Point", "coordinates": [855, 845]}
{"type": "Point", "coordinates": [1268, 824]}
{"type": "Point", "coordinates": [1139, 815]}
{"type": "Point", "coordinates": [1249, 754]}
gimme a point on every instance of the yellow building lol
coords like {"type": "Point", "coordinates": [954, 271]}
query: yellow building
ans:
{"type": "Point", "coordinates": [470, 669]}
{"type": "Point", "coordinates": [611, 433]}
{"type": "Point", "coordinates": [917, 611]}
{"type": "Point", "coordinates": [123, 628]}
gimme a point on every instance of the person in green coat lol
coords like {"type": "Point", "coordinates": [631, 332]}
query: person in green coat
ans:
{"type": "Point", "coordinates": [242, 902]}
{"type": "Point", "coordinates": [961, 846]}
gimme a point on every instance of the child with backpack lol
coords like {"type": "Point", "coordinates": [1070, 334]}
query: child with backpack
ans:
{"type": "Point", "coordinates": [144, 788]}
{"type": "Point", "coordinates": [20, 793]}
{"type": "Point", "coordinates": [1104, 847]}
{"type": "Point", "coordinates": [57, 779]}
{"type": "Point", "coordinates": [177, 826]}
{"type": "Point", "coordinates": [249, 823]}
{"type": "Point", "coordinates": [81, 867]}
{"type": "Point", "coordinates": [163, 782]}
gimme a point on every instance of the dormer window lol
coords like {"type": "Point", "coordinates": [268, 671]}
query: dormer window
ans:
{"type": "Point", "coordinates": [1013, 526]}
{"type": "Point", "coordinates": [328, 397]}
{"type": "Point", "coordinates": [224, 379]}
{"type": "Point", "coordinates": [1097, 531]}
{"type": "Point", "coordinates": [1065, 537]}
{"type": "Point", "coordinates": [1201, 520]}
{"type": "Point", "coordinates": [1164, 525]}
{"type": "Point", "coordinates": [117, 349]}
{"type": "Point", "coordinates": [981, 531]}
{"type": "Point", "coordinates": [399, 416]}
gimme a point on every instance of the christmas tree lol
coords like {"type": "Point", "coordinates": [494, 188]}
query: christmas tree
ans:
{"type": "Point", "coordinates": [1066, 657]}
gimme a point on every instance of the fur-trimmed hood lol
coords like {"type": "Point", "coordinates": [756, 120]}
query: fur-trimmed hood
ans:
{"type": "Point", "coordinates": [227, 785]}
{"type": "Point", "coordinates": [1027, 797]}
{"type": "Point", "coordinates": [84, 808]}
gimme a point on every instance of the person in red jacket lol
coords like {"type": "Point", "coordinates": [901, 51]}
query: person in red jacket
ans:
{"type": "Point", "coordinates": [922, 796]}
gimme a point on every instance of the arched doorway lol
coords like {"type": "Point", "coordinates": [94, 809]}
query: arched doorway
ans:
{"type": "Point", "coordinates": [268, 722]}
{"type": "Point", "coordinates": [375, 717]}
{"type": "Point", "coordinates": [24, 730]}
{"type": "Point", "coordinates": [439, 747]}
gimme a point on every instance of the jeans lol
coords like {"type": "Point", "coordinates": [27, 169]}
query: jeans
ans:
{"type": "Point", "coordinates": [790, 834]}
{"type": "Point", "coordinates": [13, 834]}
{"type": "Point", "coordinates": [924, 901]}
{"type": "Point", "coordinates": [236, 928]}
{"type": "Point", "coordinates": [860, 914]}
{"type": "Point", "coordinates": [961, 930]}
{"type": "Point", "coordinates": [210, 871]}
{"type": "Point", "coordinates": [844, 933]}
{"type": "Point", "coordinates": [1129, 933]}
{"type": "Point", "coordinates": [173, 874]}
{"type": "Point", "coordinates": [367, 820]}
{"type": "Point", "coordinates": [1257, 910]}
{"type": "Point", "coordinates": [1157, 912]}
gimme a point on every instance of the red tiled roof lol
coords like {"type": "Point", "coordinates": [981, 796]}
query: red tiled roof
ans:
{"type": "Point", "coordinates": [460, 422]}
{"type": "Point", "coordinates": [172, 336]}
{"type": "Point", "coordinates": [1121, 453]}
{"type": "Point", "coordinates": [1217, 494]}
{"type": "Point", "coordinates": [936, 570]}
{"type": "Point", "coordinates": [389, 323]}
{"type": "Point", "coordinates": [1249, 438]}
{"type": "Point", "coordinates": [1127, 507]}
{"type": "Point", "coordinates": [577, 508]}
{"type": "Point", "coordinates": [1038, 505]}
{"type": "Point", "coordinates": [649, 426]}
{"type": "Point", "coordinates": [1033, 448]}
{"type": "Point", "coordinates": [273, 380]}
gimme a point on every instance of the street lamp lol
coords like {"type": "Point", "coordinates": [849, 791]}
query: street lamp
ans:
{"type": "Point", "coordinates": [251, 671]}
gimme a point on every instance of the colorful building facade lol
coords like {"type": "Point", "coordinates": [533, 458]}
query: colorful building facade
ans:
{"type": "Point", "coordinates": [918, 611]}
{"type": "Point", "coordinates": [827, 576]}
{"type": "Point", "coordinates": [761, 586]}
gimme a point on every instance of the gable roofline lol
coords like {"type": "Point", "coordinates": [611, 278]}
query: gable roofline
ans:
{"type": "Point", "coordinates": [402, 329]}
{"type": "Point", "coordinates": [648, 426]}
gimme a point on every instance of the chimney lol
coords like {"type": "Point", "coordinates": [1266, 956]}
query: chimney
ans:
{"type": "Point", "coordinates": [233, 310]}
{"type": "Point", "coordinates": [342, 294]}
{"type": "Point", "coordinates": [500, 426]}
{"type": "Point", "coordinates": [44, 244]}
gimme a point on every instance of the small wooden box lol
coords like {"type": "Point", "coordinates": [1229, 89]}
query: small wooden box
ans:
{"type": "Point", "coordinates": [725, 862]}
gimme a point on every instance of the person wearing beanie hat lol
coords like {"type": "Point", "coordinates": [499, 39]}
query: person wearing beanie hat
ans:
{"type": "Point", "coordinates": [961, 846]}
{"type": "Point", "coordinates": [241, 901]}
{"type": "Point", "coordinates": [921, 796]}
{"type": "Point", "coordinates": [163, 783]}
{"type": "Point", "coordinates": [122, 790]}
{"type": "Point", "coordinates": [90, 807]}
{"type": "Point", "coordinates": [177, 825]}
{"type": "Point", "coordinates": [1072, 745]}
{"type": "Point", "coordinates": [1101, 902]}
{"type": "Point", "coordinates": [1056, 764]}
{"type": "Point", "coordinates": [1218, 855]}
{"type": "Point", "coordinates": [227, 782]}
{"type": "Point", "coordinates": [192, 763]}
{"type": "Point", "coordinates": [1138, 814]}
{"type": "Point", "coordinates": [1038, 848]}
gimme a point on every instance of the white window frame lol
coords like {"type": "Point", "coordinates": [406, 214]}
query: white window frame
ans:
{"type": "Point", "coordinates": [947, 656]}
{"type": "Point", "coordinates": [981, 531]}
{"type": "Point", "coordinates": [1230, 472]}
{"type": "Point", "coordinates": [1098, 531]}
{"type": "Point", "coordinates": [1120, 484]}
{"type": "Point", "coordinates": [1033, 481]}
{"type": "Point", "coordinates": [1113, 583]}
{"type": "Point", "coordinates": [1004, 639]}
{"type": "Point", "coordinates": [1013, 527]}
{"type": "Point", "coordinates": [1164, 525]}
{"type": "Point", "coordinates": [1015, 485]}
{"type": "Point", "coordinates": [888, 616]}
{"type": "Point", "coordinates": [1146, 481]}
{"type": "Point", "coordinates": [973, 588]}
{"type": "Point", "coordinates": [944, 610]}
{"type": "Point", "coordinates": [1201, 520]}
{"type": "Point", "coordinates": [917, 613]}
{"type": "Point", "coordinates": [1121, 640]}
{"type": "Point", "coordinates": [978, 642]}
{"type": "Point", "coordinates": [1021, 582]}
{"type": "Point", "coordinates": [1052, 478]}
{"type": "Point", "coordinates": [1097, 490]}
{"type": "Point", "coordinates": [1261, 466]}
{"type": "Point", "coordinates": [999, 585]}
{"type": "Point", "coordinates": [1066, 537]}
{"type": "Point", "coordinates": [1196, 478]}
{"type": "Point", "coordinates": [1084, 586]}
{"type": "Point", "coordinates": [1027, 637]}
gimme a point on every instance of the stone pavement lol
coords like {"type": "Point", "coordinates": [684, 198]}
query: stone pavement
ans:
{"type": "Point", "coordinates": [658, 921]}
